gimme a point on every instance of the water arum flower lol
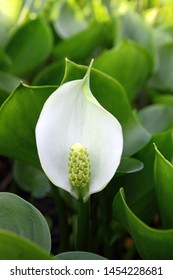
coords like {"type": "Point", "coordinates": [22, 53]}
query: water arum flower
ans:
{"type": "Point", "coordinates": [79, 143]}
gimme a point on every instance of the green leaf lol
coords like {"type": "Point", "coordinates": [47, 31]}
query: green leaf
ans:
{"type": "Point", "coordinates": [139, 186]}
{"type": "Point", "coordinates": [15, 247]}
{"type": "Point", "coordinates": [121, 63]}
{"type": "Point", "coordinates": [112, 97]}
{"type": "Point", "coordinates": [152, 244]}
{"type": "Point", "coordinates": [4, 59]}
{"type": "Point", "coordinates": [93, 38]}
{"type": "Point", "coordinates": [21, 217]}
{"type": "Point", "coordinates": [18, 117]}
{"type": "Point", "coordinates": [31, 179]}
{"type": "Point", "coordinates": [50, 75]}
{"type": "Point", "coordinates": [163, 175]}
{"type": "Point", "coordinates": [26, 104]}
{"type": "Point", "coordinates": [156, 118]}
{"type": "Point", "coordinates": [9, 11]}
{"type": "Point", "coordinates": [26, 48]}
{"type": "Point", "coordinates": [134, 27]}
{"type": "Point", "coordinates": [79, 255]}
{"type": "Point", "coordinates": [129, 165]}
{"type": "Point", "coordinates": [69, 20]}
{"type": "Point", "coordinates": [162, 79]}
{"type": "Point", "coordinates": [8, 83]}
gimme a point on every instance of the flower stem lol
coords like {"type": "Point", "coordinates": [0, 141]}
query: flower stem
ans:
{"type": "Point", "coordinates": [62, 218]}
{"type": "Point", "coordinates": [83, 225]}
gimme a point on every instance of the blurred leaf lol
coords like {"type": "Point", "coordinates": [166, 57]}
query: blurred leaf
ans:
{"type": "Point", "coordinates": [152, 244]}
{"type": "Point", "coordinates": [15, 247]}
{"type": "Point", "coordinates": [162, 79]}
{"type": "Point", "coordinates": [163, 174]}
{"type": "Point", "coordinates": [4, 59]}
{"type": "Point", "coordinates": [8, 83]}
{"type": "Point", "coordinates": [121, 63]}
{"type": "Point", "coordinates": [26, 48]}
{"type": "Point", "coordinates": [93, 38]}
{"type": "Point", "coordinates": [156, 118]}
{"type": "Point", "coordinates": [9, 11]}
{"type": "Point", "coordinates": [112, 97]}
{"type": "Point", "coordinates": [79, 255]}
{"type": "Point", "coordinates": [134, 27]}
{"type": "Point", "coordinates": [21, 217]}
{"type": "Point", "coordinates": [19, 115]}
{"type": "Point", "coordinates": [50, 75]}
{"type": "Point", "coordinates": [129, 165]}
{"type": "Point", "coordinates": [31, 179]}
{"type": "Point", "coordinates": [163, 99]}
{"type": "Point", "coordinates": [69, 20]}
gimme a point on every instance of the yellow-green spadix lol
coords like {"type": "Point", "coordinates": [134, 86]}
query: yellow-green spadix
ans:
{"type": "Point", "coordinates": [79, 143]}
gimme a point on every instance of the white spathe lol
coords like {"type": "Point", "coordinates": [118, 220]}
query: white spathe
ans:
{"type": "Point", "coordinates": [73, 115]}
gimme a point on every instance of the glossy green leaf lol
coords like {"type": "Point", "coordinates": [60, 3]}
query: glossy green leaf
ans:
{"type": "Point", "coordinates": [26, 49]}
{"type": "Point", "coordinates": [18, 117]}
{"type": "Point", "coordinates": [31, 179]}
{"type": "Point", "coordinates": [121, 63]}
{"type": "Point", "coordinates": [156, 118]}
{"type": "Point", "coordinates": [21, 217]}
{"type": "Point", "coordinates": [152, 244]}
{"type": "Point", "coordinates": [163, 175]}
{"type": "Point", "coordinates": [93, 38]}
{"type": "Point", "coordinates": [79, 255]}
{"type": "Point", "coordinates": [129, 165]}
{"type": "Point", "coordinates": [112, 97]}
{"type": "Point", "coordinates": [15, 247]}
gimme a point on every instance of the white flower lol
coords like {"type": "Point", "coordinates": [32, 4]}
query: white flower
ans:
{"type": "Point", "coordinates": [73, 122]}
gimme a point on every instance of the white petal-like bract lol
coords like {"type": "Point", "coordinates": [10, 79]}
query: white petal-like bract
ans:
{"type": "Point", "coordinates": [73, 115]}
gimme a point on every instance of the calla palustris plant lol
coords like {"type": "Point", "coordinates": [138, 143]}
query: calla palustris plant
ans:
{"type": "Point", "coordinates": [79, 143]}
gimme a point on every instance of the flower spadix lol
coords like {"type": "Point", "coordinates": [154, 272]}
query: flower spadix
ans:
{"type": "Point", "coordinates": [79, 143]}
